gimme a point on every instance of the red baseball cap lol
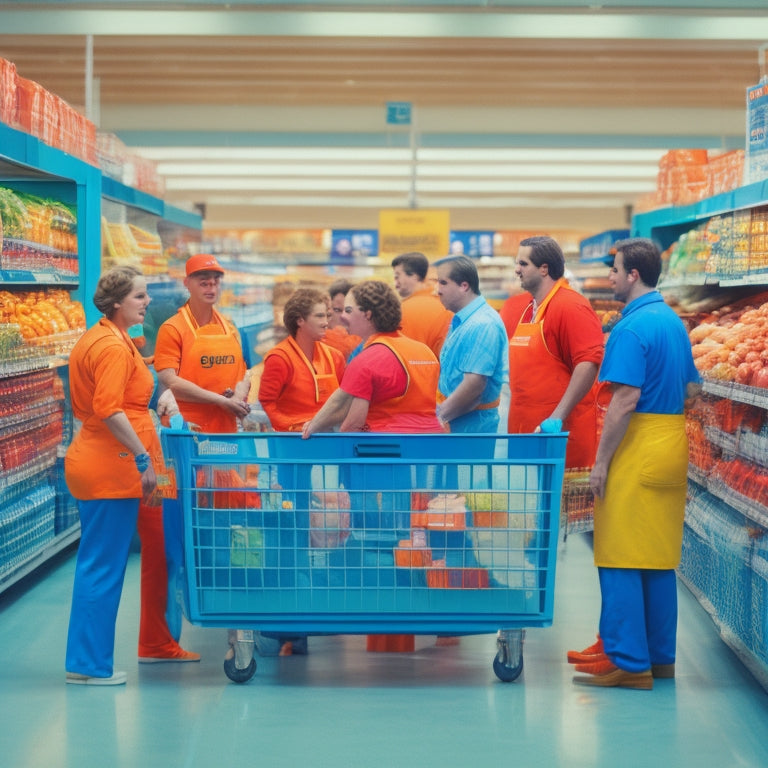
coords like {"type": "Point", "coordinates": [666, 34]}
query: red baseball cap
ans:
{"type": "Point", "coordinates": [203, 262]}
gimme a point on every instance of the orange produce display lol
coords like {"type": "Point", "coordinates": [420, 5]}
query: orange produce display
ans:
{"type": "Point", "coordinates": [41, 313]}
{"type": "Point", "coordinates": [732, 345]}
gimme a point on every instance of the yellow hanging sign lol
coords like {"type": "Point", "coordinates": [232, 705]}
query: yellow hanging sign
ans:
{"type": "Point", "coordinates": [406, 230]}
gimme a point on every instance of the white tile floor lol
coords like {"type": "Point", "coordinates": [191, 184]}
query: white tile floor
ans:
{"type": "Point", "coordinates": [341, 706]}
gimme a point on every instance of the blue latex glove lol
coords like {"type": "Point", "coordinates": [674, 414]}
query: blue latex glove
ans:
{"type": "Point", "coordinates": [549, 426]}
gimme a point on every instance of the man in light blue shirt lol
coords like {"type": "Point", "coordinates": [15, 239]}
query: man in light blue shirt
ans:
{"type": "Point", "coordinates": [474, 363]}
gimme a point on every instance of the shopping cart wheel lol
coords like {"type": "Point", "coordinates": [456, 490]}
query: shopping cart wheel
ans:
{"type": "Point", "coordinates": [237, 675]}
{"type": "Point", "coordinates": [508, 664]}
{"type": "Point", "coordinates": [239, 664]}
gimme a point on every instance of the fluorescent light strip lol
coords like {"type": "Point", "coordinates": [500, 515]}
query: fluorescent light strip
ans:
{"type": "Point", "coordinates": [397, 201]}
{"type": "Point", "coordinates": [372, 155]}
{"type": "Point", "coordinates": [424, 185]}
{"type": "Point", "coordinates": [424, 170]}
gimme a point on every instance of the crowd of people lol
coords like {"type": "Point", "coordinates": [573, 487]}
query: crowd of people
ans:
{"type": "Point", "coordinates": [418, 358]}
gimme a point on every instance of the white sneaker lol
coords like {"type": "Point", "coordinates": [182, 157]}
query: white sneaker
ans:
{"type": "Point", "coordinates": [117, 678]}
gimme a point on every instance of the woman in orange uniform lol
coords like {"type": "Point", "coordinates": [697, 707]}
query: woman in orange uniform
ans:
{"type": "Point", "coordinates": [109, 469]}
{"type": "Point", "coordinates": [198, 354]}
{"type": "Point", "coordinates": [391, 386]}
{"type": "Point", "coordinates": [301, 372]}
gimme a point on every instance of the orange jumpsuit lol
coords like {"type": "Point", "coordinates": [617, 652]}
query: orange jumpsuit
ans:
{"type": "Point", "coordinates": [107, 376]}
{"type": "Point", "coordinates": [292, 389]}
{"type": "Point", "coordinates": [539, 372]}
{"type": "Point", "coordinates": [426, 319]}
{"type": "Point", "coordinates": [210, 356]}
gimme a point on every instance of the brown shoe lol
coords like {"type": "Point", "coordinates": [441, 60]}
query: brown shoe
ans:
{"type": "Point", "coordinates": [663, 671]}
{"type": "Point", "coordinates": [588, 654]}
{"type": "Point", "coordinates": [619, 678]}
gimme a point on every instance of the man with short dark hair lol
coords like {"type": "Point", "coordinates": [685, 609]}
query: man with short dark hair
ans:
{"type": "Point", "coordinates": [424, 317]}
{"type": "Point", "coordinates": [555, 352]}
{"type": "Point", "coordinates": [473, 360]}
{"type": "Point", "coordinates": [640, 479]}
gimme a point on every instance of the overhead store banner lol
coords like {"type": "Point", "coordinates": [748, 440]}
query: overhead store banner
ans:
{"type": "Point", "coordinates": [405, 230]}
{"type": "Point", "coordinates": [354, 245]}
{"type": "Point", "coordinates": [474, 244]}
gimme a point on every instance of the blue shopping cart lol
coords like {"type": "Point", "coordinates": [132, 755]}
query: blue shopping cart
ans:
{"type": "Point", "coordinates": [367, 534]}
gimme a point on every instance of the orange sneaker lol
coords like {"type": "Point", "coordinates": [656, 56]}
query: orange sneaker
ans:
{"type": "Point", "coordinates": [598, 667]}
{"type": "Point", "coordinates": [592, 653]}
{"type": "Point", "coordinates": [179, 655]}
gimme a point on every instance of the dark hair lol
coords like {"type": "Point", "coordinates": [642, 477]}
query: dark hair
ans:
{"type": "Point", "coordinates": [545, 250]}
{"type": "Point", "coordinates": [300, 305]}
{"type": "Point", "coordinates": [382, 302]}
{"type": "Point", "coordinates": [462, 270]}
{"type": "Point", "coordinates": [414, 263]}
{"type": "Point", "coordinates": [641, 254]}
{"type": "Point", "coordinates": [113, 286]}
{"type": "Point", "coordinates": [342, 285]}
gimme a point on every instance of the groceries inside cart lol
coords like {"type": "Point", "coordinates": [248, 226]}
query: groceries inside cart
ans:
{"type": "Point", "coordinates": [368, 534]}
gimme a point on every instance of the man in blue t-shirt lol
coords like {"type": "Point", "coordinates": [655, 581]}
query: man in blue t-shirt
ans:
{"type": "Point", "coordinates": [474, 363]}
{"type": "Point", "coordinates": [640, 479]}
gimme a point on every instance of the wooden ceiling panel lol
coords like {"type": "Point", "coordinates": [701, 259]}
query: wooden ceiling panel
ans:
{"type": "Point", "coordinates": [455, 72]}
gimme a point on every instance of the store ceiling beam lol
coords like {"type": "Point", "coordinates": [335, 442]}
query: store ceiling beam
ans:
{"type": "Point", "coordinates": [723, 23]}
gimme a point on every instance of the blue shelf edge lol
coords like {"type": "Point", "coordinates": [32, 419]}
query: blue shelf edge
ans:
{"type": "Point", "coordinates": [121, 193]}
{"type": "Point", "coordinates": [749, 196]}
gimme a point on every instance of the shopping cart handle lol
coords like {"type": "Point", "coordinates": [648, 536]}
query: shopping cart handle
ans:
{"type": "Point", "coordinates": [381, 450]}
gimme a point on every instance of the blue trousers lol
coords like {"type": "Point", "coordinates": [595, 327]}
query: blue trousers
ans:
{"type": "Point", "coordinates": [638, 617]}
{"type": "Point", "coordinates": [106, 531]}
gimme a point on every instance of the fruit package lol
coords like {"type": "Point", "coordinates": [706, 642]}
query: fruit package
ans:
{"type": "Point", "coordinates": [732, 345]}
{"type": "Point", "coordinates": [41, 313]}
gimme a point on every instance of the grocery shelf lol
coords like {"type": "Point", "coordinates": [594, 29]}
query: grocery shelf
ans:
{"type": "Point", "coordinates": [60, 542]}
{"type": "Point", "coordinates": [24, 277]}
{"type": "Point", "coordinates": [741, 393]}
{"type": "Point", "coordinates": [121, 193]}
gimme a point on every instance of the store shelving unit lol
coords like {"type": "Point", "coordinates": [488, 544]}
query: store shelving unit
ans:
{"type": "Point", "coordinates": [37, 514]}
{"type": "Point", "coordinates": [725, 541]}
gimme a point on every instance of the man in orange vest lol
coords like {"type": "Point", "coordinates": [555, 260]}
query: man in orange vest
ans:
{"type": "Point", "coordinates": [424, 317]}
{"type": "Point", "coordinates": [555, 352]}
{"type": "Point", "coordinates": [198, 354]}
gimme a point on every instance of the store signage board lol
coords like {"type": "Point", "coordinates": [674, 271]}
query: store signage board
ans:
{"type": "Point", "coordinates": [756, 161]}
{"type": "Point", "coordinates": [474, 244]}
{"type": "Point", "coordinates": [352, 245]}
{"type": "Point", "coordinates": [398, 113]}
{"type": "Point", "coordinates": [405, 230]}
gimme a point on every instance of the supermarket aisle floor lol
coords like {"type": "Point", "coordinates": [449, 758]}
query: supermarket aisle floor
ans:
{"type": "Point", "coordinates": [341, 706]}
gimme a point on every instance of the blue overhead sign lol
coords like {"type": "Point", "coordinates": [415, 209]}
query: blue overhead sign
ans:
{"type": "Point", "coordinates": [399, 112]}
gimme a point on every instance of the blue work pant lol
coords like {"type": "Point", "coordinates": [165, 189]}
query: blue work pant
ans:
{"type": "Point", "coordinates": [106, 532]}
{"type": "Point", "coordinates": [638, 617]}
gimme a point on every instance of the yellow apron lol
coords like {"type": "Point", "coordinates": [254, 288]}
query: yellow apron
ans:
{"type": "Point", "coordinates": [639, 521]}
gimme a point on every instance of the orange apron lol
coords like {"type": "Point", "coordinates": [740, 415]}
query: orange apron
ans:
{"type": "Point", "coordinates": [537, 382]}
{"type": "Point", "coordinates": [310, 385]}
{"type": "Point", "coordinates": [214, 361]}
{"type": "Point", "coordinates": [422, 369]}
